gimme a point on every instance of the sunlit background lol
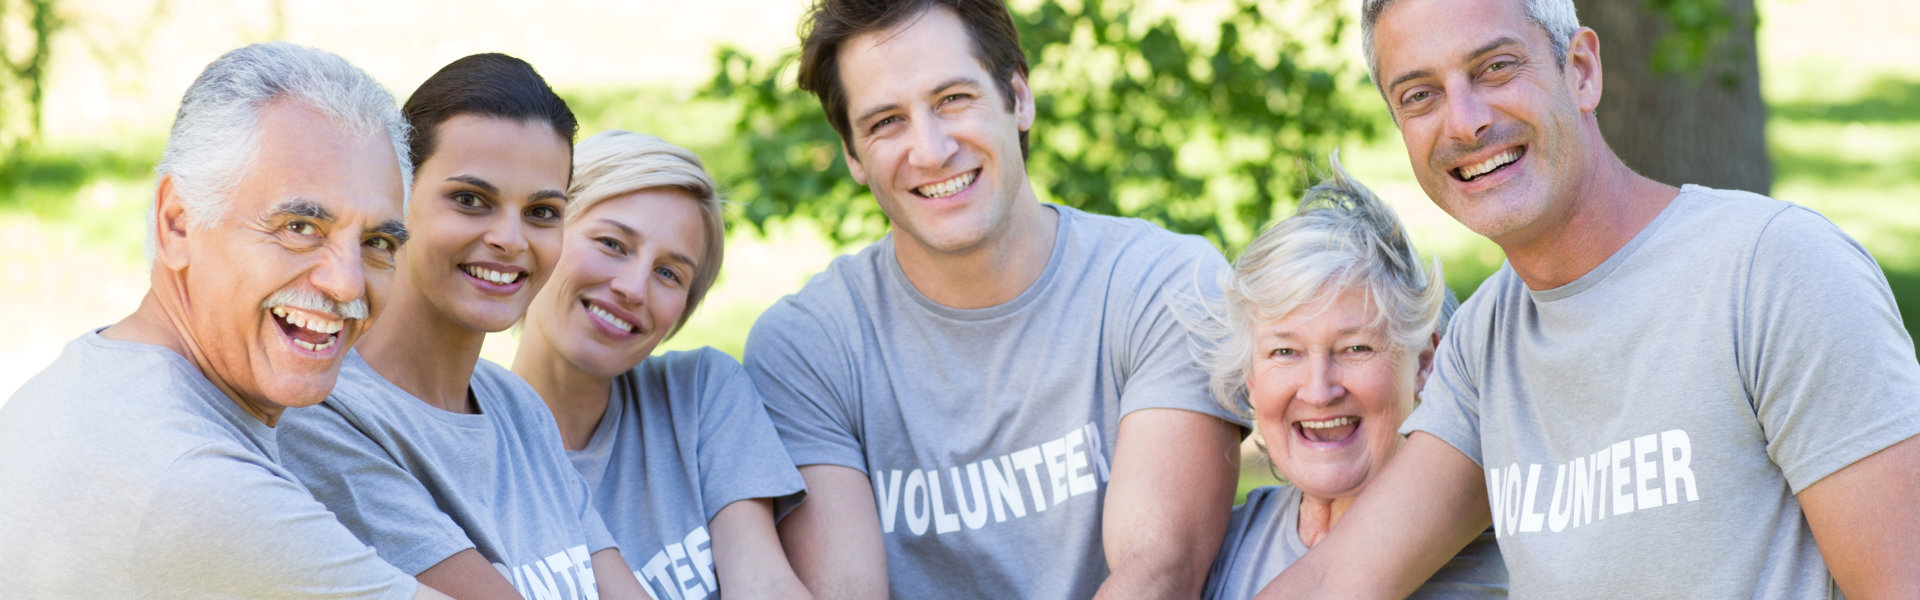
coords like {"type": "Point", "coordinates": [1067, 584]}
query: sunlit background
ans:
{"type": "Point", "coordinates": [1841, 79]}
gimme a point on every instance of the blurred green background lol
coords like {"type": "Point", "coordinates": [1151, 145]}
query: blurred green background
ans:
{"type": "Point", "coordinates": [1204, 115]}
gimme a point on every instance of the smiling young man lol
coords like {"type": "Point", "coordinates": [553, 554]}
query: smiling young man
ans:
{"type": "Point", "coordinates": [143, 462]}
{"type": "Point", "coordinates": [1668, 392]}
{"type": "Point", "coordinates": [995, 400]}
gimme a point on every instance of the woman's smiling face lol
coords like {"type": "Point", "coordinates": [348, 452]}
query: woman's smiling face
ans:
{"type": "Point", "coordinates": [486, 218]}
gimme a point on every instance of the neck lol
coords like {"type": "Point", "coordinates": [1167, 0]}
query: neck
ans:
{"type": "Point", "coordinates": [994, 272]}
{"type": "Point", "coordinates": [1613, 205]}
{"type": "Point", "coordinates": [161, 320]}
{"type": "Point", "coordinates": [1317, 516]}
{"type": "Point", "coordinates": [578, 399]}
{"type": "Point", "coordinates": [422, 351]}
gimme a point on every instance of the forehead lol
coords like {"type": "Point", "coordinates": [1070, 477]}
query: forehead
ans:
{"type": "Point", "coordinates": [303, 154]}
{"type": "Point", "coordinates": [668, 216]}
{"type": "Point", "coordinates": [1345, 312]}
{"type": "Point", "coordinates": [926, 49]}
{"type": "Point", "coordinates": [1430, 34]}
{"type": "Point", "coordinates": [508, 153]}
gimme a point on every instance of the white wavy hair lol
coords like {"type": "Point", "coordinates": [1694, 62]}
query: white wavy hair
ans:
{"type": "Point", "coordinates": [1556, 17]}
{"type": "Point", "coordinates": [616, 162]}
{"type": "Point", "coordinates": [217, 131]}
{"type": "Point", "coordinates": [1341, 238]}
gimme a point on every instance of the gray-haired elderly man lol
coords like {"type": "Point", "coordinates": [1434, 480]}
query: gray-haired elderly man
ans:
{"type": "Point", "coordinates": [1667, 392]}
{"type": "Point", "coordinates": [142, 462]}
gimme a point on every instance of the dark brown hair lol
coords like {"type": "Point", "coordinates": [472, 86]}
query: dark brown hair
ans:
{"type": "Point", "coordinates": [996, 44]}
{"type": "Point", "coordinates": [489, 85]}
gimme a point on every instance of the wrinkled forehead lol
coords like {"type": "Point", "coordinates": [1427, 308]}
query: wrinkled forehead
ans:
{"type": "Point", "coordinates": [1412, 35]}
{"type": "Point", "coordinates": [304, 156]}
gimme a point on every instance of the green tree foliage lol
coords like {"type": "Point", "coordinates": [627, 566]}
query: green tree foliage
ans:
{"type": "Point", "coordinates": [1205, 130]}
{"type": "Point", "coordinates": [26, 29]}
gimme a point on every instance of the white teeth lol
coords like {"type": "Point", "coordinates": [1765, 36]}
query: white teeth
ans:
{"type": "Point", "coordinates": [1468, 173]}
{"type": "Point", "coordinates": [609, 318]}
{"type": "Point", "coordinates": [315, 347]}
{"type": "Point", "coordinates": [946, 188]}
{"type": "Point", "coordinates": [1329, 423]}
{"type": "Point", "coordinates": [315, 324]}
{"type": "Point", "coordinates": [491, 275]}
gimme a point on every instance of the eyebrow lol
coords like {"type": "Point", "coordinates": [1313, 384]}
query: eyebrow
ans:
{"type": "Point", "coordinates": [396, 230]}
{"type": "Point", "coordinates": [1476, 53]}
{"type": "Point", "coordinates": [303, 208]}
{"type": "Point", "coordinates": [957, 81]}
{"type": "Point", "coordinates": [635, 234]}
{"type": "Point", "coordinates": [476, 182]}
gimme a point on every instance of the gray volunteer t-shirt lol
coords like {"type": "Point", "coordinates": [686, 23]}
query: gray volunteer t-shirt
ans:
{"type": "Point", "coordinates": [1263, 537]}
{"type": "Point", "coordinates": [124, 473]}
{"type": "Point", "coordinates": [1644, 429]}
{"type": "Point", "coordinates": [684, 435]}
{"type": "Point", "coordinates": [987, 433]}
{"type": "Point", "coordinates": [420, 484]}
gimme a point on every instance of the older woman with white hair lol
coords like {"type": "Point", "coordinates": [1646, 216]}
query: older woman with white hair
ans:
{"type": "Point", "coordinates": [684, 463]}
{"type": "Point", "coordinates": [1328, 332]}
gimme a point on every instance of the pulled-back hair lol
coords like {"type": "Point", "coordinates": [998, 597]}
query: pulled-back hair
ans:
{"type": "Point", "coordinates": [1342, 238]}
{"type": "Point", "coordinates": [830, 23]}
{"type": "Point", "coordinates": [616, 163]}
{"type": "Point", "coordinates": [488, 85]}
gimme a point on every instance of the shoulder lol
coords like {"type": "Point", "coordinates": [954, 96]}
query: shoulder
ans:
{"type": "Point", "coordinates": [501, 388]}
{"type": "Point", "coordinates": [1129, 241]}
{"type": "Point", "coordinates": [700, 371]}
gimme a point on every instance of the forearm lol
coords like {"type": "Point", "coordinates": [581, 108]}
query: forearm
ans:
{"type": "Point", "coordinates": [614, 580]}
{"type": "Point", "coordinates": [1167, 503]}
{"type": "Point", "coordinates": [833, 539]}
{"type": "Point", "coordinates": [747, 554]}
{"type": "Point", "coordinates": [1863, 517]}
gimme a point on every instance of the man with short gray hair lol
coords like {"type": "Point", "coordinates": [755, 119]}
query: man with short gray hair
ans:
{"type": "Point", "coordinates": [1666, 392]}
{"type": "Point", "coordinates": [143, 461]}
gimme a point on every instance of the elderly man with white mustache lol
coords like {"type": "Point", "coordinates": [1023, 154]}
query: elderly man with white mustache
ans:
{"type": "Point", "coordinates": [143, 462]}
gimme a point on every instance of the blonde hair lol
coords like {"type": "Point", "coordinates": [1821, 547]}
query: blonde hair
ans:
{"type": "Point", "coordinates": [616, 162]}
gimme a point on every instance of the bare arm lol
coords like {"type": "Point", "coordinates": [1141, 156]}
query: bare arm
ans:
{"type": "Point", "coordinates": [468, 576]}
{"type": "Point", "coordinates": [1426, 505]}
{"type": "Point", "coordinates": [833, 539]}
{"type": "Point", "coordinates": [747, 554]}
{"type": "Point", "coordinates": [1167, 503]}
{"type": "Point", "coordinates": [1864, 517]}
{"type": "Point", "coordinates": [614, 579]}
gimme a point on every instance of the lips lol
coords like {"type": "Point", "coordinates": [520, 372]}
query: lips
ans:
{"type": "Point", "coordinates": [947, 187]}
{"type": "Point", "coordinates": [1499, 161]}
{"type": "Point", "coordinates": [312, 331]}
{"type": "Point", "coordinates": [1336, 430]}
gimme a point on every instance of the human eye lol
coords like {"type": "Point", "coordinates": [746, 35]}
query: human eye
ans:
{"type": "Point", "coordinates": [467, 199]}
{"type": "Point", "coordinates": [612, 245]}
{"type": "Point", "coordinates": [1283, 353]}
{"type": "Point", "coordinates": [883, 122]}
{"type": "Point", "coordinates": [382, 243]}
{"type": "Point", "coordinates": [1358, 349]}
{"type": "Point", "coordinates": [1416, 96]}
{"type": "Point", "coordinates": [301, 227]}
{"type": "Point", "coordinates": [544, 213]}
{"type": "Point", "coordinates": [669, 274]}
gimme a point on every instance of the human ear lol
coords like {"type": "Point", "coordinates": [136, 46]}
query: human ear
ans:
{"type": "Point", "coordinates": [170, 226]}
{"type": "Point", "coordinates": [1583, 69]}
{"type": "Point", "coordinates": [1426, 363]}
{"type": "Point", "coordinates": [1023, 110]}
{"type": "Point", "coordinates": [853, 165]}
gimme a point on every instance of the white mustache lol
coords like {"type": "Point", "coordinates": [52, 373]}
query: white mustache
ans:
{"type": "Point", "coordinates": [306, 299]}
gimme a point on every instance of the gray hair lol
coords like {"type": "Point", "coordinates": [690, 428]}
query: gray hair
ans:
{"type": "Point", "coordinates": [217, 131]}
{"type": "Point", "coordinates": [1556, 17]}
{"type": "Point", "coordinates": [1342, 237]}
{"type": "Point", "coordinates": [616, 162]}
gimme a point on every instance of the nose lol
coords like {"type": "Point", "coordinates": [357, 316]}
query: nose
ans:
{"type": "Point", "coordinates": [932, 144]}
{"type": "Point", "coordinates": [507, 235]}
{"type": "Point", "coordinates": [630, 287]}
{"type": "Point", "coordinates": [1322, 387]}
{"type": "Point", "coordinates": [1468, 117]}
{"type": "Point", "coordinates": [341, 274]}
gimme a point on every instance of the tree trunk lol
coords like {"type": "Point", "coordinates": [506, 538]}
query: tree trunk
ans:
{"type": "Point", "coordinates": [1705, 126]}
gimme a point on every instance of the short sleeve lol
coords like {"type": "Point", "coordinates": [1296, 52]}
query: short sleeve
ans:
{"type": "Point", "coordinates": [1160, 369]}
{"type": "Point", "coordinates": [1450, 402]}
{"type": "Point", "coordinates": [741, 456]}
{"type": "Point", "coordinates": [801, 374]}
{"type": "Point", "coordinates": [377, 499]}
{"type": "Point", "coordinates": [526, 417]}
{"type": "Point", "coordinates": [223, 524]}
{"type": "Point", "coordinates": [1827, 363]}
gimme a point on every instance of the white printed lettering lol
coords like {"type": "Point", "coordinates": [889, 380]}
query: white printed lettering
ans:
{"type": "Point", "coordinates": [1622, 481]}
{"type": "Point", "coordinates": [700, 551]}
{"type": "Point", "coordinates": [1055, 452]}
{"type": "Point", "coordinates": [1643, 471]}
{"type": "Point", "coordinates": [919, 508]}
{"type": "Point", "coordinates": [1080, 481]}
{"type": "Point", "coordinates": [1676, 455]}
{"type": "Point", "coordinates": [1025, 460]}
{"type": "Point", "coordinates": [1003, 489]}
{"type": "Point", "coordinates": [943, 521]}
{"type": "Point", "coordinates": [973, 507]}
{"type": "Point", "coordinates": [889, 498]}
{"type": "Point", "coordinates": [1560, 508]}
